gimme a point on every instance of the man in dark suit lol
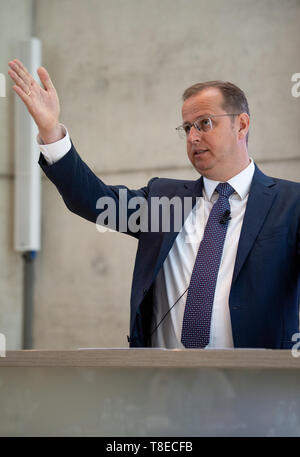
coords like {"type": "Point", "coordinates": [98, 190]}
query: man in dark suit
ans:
{"type": "Point", "coordinates": [235, 282]}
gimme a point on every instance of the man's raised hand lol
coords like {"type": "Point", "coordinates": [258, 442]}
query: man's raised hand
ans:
{"type": "Point", "coordinates": [41, 102]}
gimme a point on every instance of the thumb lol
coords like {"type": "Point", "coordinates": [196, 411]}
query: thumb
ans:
{"type": "Point", "coordinates": [45, 78]}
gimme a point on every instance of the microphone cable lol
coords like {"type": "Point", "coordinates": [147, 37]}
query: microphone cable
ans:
{"type": "Point", "coordinates": [149, 339]}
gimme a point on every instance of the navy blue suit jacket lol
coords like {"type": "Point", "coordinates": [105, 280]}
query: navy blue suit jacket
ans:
{"type": "Point", "coordinates": [264, 295]}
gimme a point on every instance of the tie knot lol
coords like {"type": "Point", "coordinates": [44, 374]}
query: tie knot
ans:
{"type": "Point", "coordinates": [224, 189]}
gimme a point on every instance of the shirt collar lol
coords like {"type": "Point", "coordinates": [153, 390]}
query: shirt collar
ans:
{"type": "Point", "coordinates": [240, 182]}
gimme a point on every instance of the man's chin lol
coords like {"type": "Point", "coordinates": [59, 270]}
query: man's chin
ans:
{"type": "Point", "coordinates": [203, 168]}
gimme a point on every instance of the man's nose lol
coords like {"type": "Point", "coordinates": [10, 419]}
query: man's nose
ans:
{"type": "Point", "coordinates": [194, 134]}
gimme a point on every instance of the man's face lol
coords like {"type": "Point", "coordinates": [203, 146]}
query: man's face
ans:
{"type": "Point", "coordinates": [212, 153]}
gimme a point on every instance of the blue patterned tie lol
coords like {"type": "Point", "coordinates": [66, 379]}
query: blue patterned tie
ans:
{"type": "Point", "coordinates": [200, 298]}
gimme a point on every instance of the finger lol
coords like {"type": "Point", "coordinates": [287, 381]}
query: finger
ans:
{"type": "Point", "coordinates": [25, 98]}
{"type": "Point", "coordinates": [45, 78]}
{"type": "Point", "coordinates": [25, 76]}
{"type": "Point", "coordinates": [18, 81]}
{"type": "Point", "coordinates": [22, 67]}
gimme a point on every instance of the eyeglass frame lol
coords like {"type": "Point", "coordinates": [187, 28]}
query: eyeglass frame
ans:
{"type": "Point", "coordinates": [193, 124]}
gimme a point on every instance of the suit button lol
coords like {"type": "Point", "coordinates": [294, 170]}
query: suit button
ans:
{"type": "Point", "coordinates": [145, 291]}
{"type": "Point", "coordinates": [236, 307]}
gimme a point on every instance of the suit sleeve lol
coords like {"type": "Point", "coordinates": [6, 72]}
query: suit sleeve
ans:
{"type": "Point", "coordinates": [81, 189]}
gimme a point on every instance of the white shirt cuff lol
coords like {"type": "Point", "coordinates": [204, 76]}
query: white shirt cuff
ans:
{"type": "Point", "coordinates": [55, 151]}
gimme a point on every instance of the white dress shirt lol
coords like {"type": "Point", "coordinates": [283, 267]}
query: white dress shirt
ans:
{"type": "Point", "coordinates": [174, 277]}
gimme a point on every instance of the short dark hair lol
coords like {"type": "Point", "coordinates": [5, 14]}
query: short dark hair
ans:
{"type": "Point", "coordinates": [234, 98]}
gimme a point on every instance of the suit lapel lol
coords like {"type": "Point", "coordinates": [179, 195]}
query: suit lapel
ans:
{"type": "Point", "coordinates": [260, 199]}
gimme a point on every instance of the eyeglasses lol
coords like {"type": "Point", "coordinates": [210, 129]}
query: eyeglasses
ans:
{"type": "Point", "coordinates": [202, 124]}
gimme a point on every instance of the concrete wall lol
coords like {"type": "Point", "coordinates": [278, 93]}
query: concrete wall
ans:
{"type": "Point", "coordinates": [15, 25]}
{"type": "Point", "coordinates": [120, 69]}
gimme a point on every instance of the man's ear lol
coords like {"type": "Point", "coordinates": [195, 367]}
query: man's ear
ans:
{"type": "Point", "coordinates": [244, 123]}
